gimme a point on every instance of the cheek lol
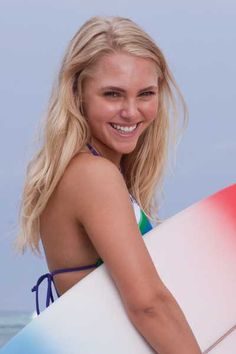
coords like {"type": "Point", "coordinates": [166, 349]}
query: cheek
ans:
{"type": "Point", "coordinates": [108, 109]}
{"type": "Point", "coordinates": [151, 111]}
{"type": "Point", "coordinates": [101, 110]}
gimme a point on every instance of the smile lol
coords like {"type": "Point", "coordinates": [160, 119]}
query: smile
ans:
{"type": "Point", "coordinates": [124, 128]}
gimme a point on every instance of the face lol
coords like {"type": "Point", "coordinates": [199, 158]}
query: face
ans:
{"type": "Point", "coordinates": [120, 101]}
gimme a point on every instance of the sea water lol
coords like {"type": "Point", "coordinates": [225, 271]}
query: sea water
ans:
{"type": "Point", "coordinates": [11, 322]}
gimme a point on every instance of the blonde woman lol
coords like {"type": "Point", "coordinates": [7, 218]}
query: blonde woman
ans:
{"type": "Point", "coordinates": [104, 153]}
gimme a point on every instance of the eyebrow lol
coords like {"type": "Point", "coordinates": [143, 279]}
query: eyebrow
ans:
{"type": "Point", "coordinates": [115, 88]}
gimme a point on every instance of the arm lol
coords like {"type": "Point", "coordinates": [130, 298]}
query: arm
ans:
{"type": "Point", "coordinates": [101, 203]}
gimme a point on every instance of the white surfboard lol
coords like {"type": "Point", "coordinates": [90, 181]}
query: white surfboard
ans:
{"type": "Point", "coordinates": [195, 255]}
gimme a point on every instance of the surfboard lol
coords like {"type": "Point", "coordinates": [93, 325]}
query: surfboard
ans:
{"type": "Point", "coordinates": [194, 253]}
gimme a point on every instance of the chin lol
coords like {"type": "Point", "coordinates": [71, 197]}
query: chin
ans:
{"type": "Point", "coordinates": [127, 150]}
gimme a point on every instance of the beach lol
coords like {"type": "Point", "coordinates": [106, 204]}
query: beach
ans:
{"type": "Point", "coordinates": [11, 322]}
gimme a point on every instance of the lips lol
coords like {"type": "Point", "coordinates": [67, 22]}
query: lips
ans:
{"type": "Point", "coordinates": [125, 125]}
{"type": "Point", "coordinates": [125, 133]}
{"type": "Point", "coordinates": [123, 128]}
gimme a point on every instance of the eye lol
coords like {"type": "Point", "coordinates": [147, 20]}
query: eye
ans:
{"type": "Point", "coordinates": [111, 94]}
{"type": "Point", "coordinates": [148, 93]}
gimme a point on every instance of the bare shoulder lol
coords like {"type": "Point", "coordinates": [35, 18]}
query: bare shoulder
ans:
{"type": "Point", "coordinates": [91, 180]}
{"type": "Point", "coordinates": [86, 170]}
{"type": "Point", "coordinates": [84, 163]}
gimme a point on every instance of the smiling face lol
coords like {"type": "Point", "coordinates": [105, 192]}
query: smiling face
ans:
{"type": "Point", "coordinates": [120, 100]}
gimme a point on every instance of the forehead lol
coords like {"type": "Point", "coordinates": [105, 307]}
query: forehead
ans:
{"type": "Point", "coordinates": [122, 69]}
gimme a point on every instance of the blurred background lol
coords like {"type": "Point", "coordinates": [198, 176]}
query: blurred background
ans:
{"type": "Point", "coordinates": [198, 40]}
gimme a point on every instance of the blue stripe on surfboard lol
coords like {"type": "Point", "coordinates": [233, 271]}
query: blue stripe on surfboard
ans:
{"type": "Point", "coordinates": [28, 340]}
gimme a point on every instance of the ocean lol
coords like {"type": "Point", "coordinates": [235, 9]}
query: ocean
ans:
{"type": "Point", "coordinates": [11, 322]}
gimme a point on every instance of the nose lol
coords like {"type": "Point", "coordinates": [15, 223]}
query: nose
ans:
{"type": "Point", "coordinates": [129, 110]}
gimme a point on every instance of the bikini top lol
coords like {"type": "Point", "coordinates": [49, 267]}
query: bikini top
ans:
{"type": "Point", "coordinates": [143, 224]}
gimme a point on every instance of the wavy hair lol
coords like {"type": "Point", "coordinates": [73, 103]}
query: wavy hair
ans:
{"type": "Point", "coordinates": [66, 131]}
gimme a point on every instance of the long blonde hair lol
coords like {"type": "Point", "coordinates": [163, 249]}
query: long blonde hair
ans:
{"type": "Point", "coordinates": [66, 130]}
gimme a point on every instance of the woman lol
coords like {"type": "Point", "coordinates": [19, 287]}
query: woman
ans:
{"type": "Point", "coordinates": [105, 149]}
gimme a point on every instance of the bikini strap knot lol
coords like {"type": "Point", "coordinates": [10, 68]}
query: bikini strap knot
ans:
{"type": "Point", "coordinates": [49, 297]}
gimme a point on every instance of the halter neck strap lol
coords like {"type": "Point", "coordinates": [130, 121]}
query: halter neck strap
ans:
{"type": "Point", "coordinates": [93, 150]}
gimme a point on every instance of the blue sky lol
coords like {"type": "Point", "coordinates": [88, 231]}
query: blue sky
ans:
{"type": "Point", "coordinates": [198, 40]}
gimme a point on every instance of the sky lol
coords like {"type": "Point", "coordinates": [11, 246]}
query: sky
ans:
{"type": "Point", "coordinates": [198, 41]}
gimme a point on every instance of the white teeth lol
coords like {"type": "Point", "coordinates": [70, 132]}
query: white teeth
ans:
{"type": "Point", "coordinates": [124, 129]}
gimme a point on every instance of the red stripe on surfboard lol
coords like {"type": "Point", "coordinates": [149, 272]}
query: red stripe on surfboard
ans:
{"type": "Point", "coordinates": [226, 201]}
